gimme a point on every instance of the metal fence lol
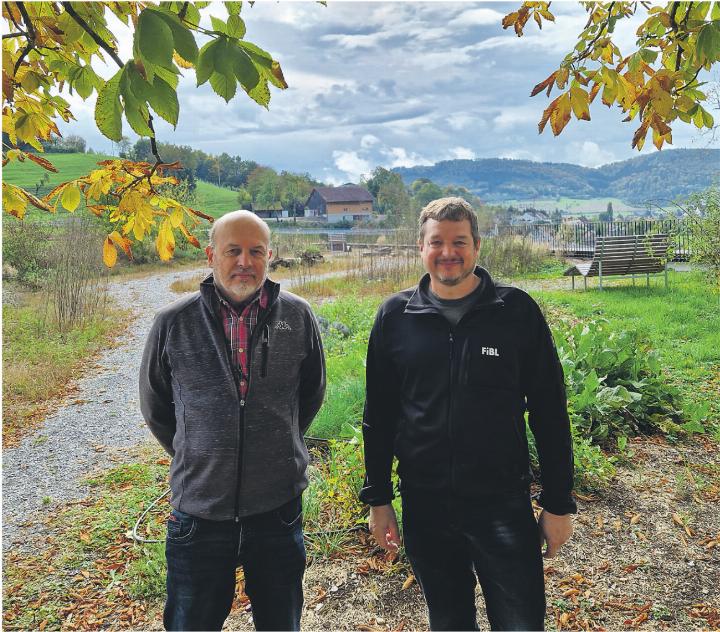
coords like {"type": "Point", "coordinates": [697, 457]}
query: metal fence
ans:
{"type": "Point", "coordinates": [578, 240]}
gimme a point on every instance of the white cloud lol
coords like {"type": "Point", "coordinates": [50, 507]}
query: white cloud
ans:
{"type": "Point", "coordinates": [401, 157]}
{"type": "Point", "coordinates": [476, 17]}
{"type": "Point", "coordinates": [511, 117]}
{"type": "Point", "coordinates": [462, 153]}
{"type": "Point", "coordinates": [588, 154]}
{"type": "Point", "coordinates": [351, 164]}
{"type": "Point", "coordinates": [355, 41]}
{"type": "Point", "coordinates": [368, 141]}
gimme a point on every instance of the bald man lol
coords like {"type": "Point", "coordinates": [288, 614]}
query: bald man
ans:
{"type": "Point", "coordinates": [230, 380]}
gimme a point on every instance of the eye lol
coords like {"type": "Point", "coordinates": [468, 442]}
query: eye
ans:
{"type": "Point", "coordinates": [232, 252]}
{"type": "Point", "coordinates": [257, 252]}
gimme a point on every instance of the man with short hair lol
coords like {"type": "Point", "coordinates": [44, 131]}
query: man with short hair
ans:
{"type": "Point", "coordinates": [452, 366]}
{"type": "Point", "coordinates": [230, 380]}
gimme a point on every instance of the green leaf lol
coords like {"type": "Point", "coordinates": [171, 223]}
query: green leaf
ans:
{"type": "Point", "coordinates": [707, 48]}
{"type": "Point", "coordinates": [70, 198]}
{"type": "Point", "coordinates": [136, 111]}
{"type": "Point", "coordinates": [206, 61]}
{"type": "Point", "coordinates": [224, 85]}
{"type": "Point", "coordinates": [236, 27]}
{"type": "Point", "coordinates": [108, 109]}
{"type": "Point", "coordinates": [257, 54]}
{"type": "Point", "coordinates": [84, 83]}
{"type": "Point", "coordinates": [260, 93]}
{"type": "Point", "coordinates": [168, 76]}
{"type": "Point", "coordinates": [218, 25]}
{"type": "Point", "coordinates": [648, 56]}
{"type": "Point", "coordinates": [245, 71]}
{"type": "Point", "coordinates": [233, 8]}
{"type": "Point", "coordinates": [185, 43]}
{"type": "Point", "coordinates": [163, 99]}
{"type": "Point", "coordinates": [154, 38]}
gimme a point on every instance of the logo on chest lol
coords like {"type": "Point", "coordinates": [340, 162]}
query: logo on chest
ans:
{"type": "Point", "coordinates": [282, 326]}
{"type": "Point", "coordinates": [490, 351]}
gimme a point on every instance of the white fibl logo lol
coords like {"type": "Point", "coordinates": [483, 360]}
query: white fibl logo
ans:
{"type": "Point", "coordinates": [282, 325]}
{"type": "Point", "coordinates": [490, 351]}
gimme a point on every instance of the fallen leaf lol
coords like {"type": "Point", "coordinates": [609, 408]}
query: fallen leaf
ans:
{"type": "Point", "coordinates": [408, 582]}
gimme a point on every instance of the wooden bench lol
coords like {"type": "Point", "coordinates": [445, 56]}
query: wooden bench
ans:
{"type": "Point", "coordinates": [620, 255]}
{"type": "Point", "coordinates": [337, 242]}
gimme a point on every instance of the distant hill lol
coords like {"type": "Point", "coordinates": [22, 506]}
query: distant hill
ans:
{"type": "Point", "coordinates": [661, 176]}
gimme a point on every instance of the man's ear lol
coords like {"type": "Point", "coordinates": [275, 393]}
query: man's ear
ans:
{"type": "Point", "coordinates": [270, 254]}
{"type": "Point", "coordinates": [210, 255]}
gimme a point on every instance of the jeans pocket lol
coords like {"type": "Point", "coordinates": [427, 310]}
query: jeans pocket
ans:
{"type": "Point", "coordinates": [181, 527]}
{"type": "Point", "coordinates": [290, 514]}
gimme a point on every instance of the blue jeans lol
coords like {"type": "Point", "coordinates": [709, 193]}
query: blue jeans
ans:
{"type": "Point", "coordinates": [450, 540]}
{"type": "Point", "coordinates": [202, 556]}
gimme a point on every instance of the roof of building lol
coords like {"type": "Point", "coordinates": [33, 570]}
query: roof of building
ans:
{"type": "Point", "coordinates": [345, 193]}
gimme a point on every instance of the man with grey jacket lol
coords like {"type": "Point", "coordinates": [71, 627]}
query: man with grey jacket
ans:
{"type": "Point", "coordinates": [230, 380]}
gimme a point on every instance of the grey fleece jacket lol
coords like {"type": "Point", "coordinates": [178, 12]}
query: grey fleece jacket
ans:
{"type": "Point", "coordinates": [233, 458]}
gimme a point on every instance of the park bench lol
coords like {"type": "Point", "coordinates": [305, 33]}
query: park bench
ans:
{"type": "Point", "coordinates": [623, 255]}
{"type": "Point", "coordinates": [337, 242]}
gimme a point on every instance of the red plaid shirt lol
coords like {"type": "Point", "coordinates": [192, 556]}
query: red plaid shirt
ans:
{"type": "Point", "coordinates": [238, 330]}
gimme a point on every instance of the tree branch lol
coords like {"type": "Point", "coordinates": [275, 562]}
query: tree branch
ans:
{"type": "Point", "coordinates": [12, 18]}
{"type": "Point", "coordinates": [96, 38]}
{"type": "Point", "coordinates": [26, 19]}
{"type": "Point", "coordinates": [601, 31]}
{"type": "Point", "coordinates": [20, 34]}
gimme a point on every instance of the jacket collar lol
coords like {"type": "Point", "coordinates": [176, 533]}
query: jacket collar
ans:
{"type": "Point", "coordinates": [418, 303]}
{"type": "Point", "coordinates": [207, 291]}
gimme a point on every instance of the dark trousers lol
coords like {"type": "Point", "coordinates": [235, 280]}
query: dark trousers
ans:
{"type": "Point", "coordinates": [449, 541]}
{"type": "Point", "coordinates": [202, 556]}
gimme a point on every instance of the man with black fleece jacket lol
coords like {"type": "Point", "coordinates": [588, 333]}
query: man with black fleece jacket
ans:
{"type": "Point", "coordinates": [452, 366]}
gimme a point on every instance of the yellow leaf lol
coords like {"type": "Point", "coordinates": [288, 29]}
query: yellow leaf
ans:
{"type": "Point", "coordinates": [408, 582]}
{"type": "Point", "coordinates": [109, 253]}
{"type": "Point", "coordinates": [560, 116]}
{"type": "Point", "coordinates": [165, 242]}
{"type": "Point", "coordinates": [70, 197]}
{"type": "Point", "coordinates": [176, 217]}
{"type": "Point", "coordinates": [121, 242]}
{"type": "Point", "coordinates": [579, 102]}
{"type": "Point", "coordinates": [13, 201]}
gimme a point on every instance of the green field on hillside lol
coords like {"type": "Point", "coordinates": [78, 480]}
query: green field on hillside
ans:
{"type": "Point", "coordinates": [576, 206]}
{"type": "Point", "coordinates": [211, 199]}
{"type": "Point", "coordinates": [215, 200]}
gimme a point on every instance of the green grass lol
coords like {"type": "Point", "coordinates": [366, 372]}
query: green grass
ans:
{"type": "Point", "coordinates": [682, 321]}
{"type": "Point", "coordinates": [39, 361]}
{"type": "Point", "coordinates": [89, 566]}
{"type": "Point", "coordinates": [215, 200]}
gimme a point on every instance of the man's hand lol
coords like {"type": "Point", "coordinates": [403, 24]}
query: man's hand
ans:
{"type": "Point", "coordinates": [383, 525]}
{"type": "Point", "coordinates": [555, 531]}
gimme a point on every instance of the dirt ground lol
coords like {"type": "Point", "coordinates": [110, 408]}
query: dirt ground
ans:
{"type": "Point", "coordinates": [646, 556]}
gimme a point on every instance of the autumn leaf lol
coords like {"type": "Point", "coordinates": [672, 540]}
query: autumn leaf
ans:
{"type": "Point", "coordinates": [109, 253]}
{"type": "Point", "coordinates": [560, 116]}
{"type": "Point", "coordinates": [408, 582]}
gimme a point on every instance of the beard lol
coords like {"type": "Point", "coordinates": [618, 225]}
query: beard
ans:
{"type": "Point", "coordinates": [451, 280]}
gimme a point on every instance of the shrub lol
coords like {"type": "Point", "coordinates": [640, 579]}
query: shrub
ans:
{"type": "Point", "coordinates": [26, 248]}
{"type": "Point", "coordinates": [615, 384]}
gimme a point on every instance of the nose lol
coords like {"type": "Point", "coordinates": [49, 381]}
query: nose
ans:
{"type": "Point", "coordinates": [243, 259]}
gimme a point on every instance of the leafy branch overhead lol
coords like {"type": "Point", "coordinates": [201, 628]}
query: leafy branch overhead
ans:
{"type": "Point", "coordinates": [656, 84]}
{"type": "Point", "coordinates": [50, 48]}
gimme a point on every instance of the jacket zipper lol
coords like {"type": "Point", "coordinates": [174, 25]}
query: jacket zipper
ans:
{"type": "Point", "coordinates": [449, 411]}
{"type": "Point", "coordinates": [241, 462]}
{"type": "Point", "coordinates": [265, 349]}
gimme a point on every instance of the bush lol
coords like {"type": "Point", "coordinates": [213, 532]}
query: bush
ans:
{"type": "Point", "coordinates": [26, 247]}
{"type": "Point", "coordinates": [615, 384]}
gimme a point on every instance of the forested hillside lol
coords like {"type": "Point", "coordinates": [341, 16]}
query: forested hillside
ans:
{"type": "Point", "coordinates": [660, 176]}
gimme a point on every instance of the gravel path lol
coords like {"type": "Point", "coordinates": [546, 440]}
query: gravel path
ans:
{"type": "Point", "coordinates": [92, 429]}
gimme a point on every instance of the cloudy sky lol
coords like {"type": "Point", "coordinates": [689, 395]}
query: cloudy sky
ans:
{"type": "Point", "coordinates": [394, 84]}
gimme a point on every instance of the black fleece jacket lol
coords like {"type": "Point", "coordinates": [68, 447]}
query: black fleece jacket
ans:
{"type": "Point", "coordinates": [233, 458]}
{"type": "Point", "coordinates": [450, 402]}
